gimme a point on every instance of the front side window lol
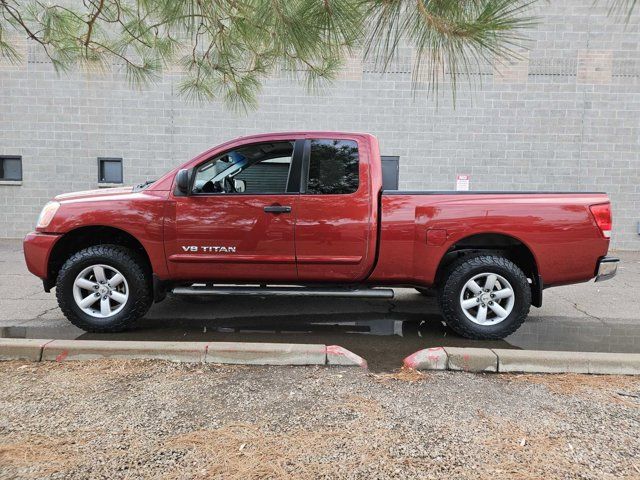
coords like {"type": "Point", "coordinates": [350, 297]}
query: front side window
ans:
{"type": "Point", "coordinates": [333, 167]}
{"type": "Point", "coordinates": [261, 168]}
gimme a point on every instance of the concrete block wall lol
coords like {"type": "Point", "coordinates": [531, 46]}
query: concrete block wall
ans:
{"type": "Point", "coordinates": [565, 116]}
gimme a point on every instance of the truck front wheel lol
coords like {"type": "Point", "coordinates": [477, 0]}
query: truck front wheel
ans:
{"type": "Point", "coordinates": [103, 288]}
{"type": "Point", "coordinates": [485, 297]}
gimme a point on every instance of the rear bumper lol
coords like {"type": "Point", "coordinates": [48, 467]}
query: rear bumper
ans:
{"type": "Point", "coordinates": [37, 249]}
{"type": "Point", "coordinates": [607, 268]}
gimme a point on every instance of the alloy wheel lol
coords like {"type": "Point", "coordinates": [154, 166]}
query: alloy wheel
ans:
{"type": "Point", "coordinates": [487, 299]}
{"type": "Point", "coordinates": [100, 291]}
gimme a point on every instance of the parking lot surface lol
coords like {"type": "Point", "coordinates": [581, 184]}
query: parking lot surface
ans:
{"type": "Point", "coordinates": [584, 317]}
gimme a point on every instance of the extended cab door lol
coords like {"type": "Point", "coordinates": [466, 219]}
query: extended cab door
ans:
{"type": "Point", "coordinates": [337, 211]}
{"type": "Point", "coordinates": [238, 222]}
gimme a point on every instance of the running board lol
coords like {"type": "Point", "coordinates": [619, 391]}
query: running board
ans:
{"type": "Point", "coordinates": [286, 292]}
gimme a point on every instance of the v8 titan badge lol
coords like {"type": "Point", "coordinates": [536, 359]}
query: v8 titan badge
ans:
{"type": "Point", "coordinates": [208, 249]}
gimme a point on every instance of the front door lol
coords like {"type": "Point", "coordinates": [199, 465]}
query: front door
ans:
{"type": "Point", "coordinates": [238, 222]}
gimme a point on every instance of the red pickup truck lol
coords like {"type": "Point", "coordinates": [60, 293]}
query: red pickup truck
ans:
{"type": "Point", "coordinates": [305, 213]}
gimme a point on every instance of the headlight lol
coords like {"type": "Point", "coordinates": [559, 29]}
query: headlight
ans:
{"type": "Point", "coordinates": [47, 214]}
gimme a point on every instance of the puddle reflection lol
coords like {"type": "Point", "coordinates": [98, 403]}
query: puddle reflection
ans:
{"type": "Point", "coordinates": [382, 339]}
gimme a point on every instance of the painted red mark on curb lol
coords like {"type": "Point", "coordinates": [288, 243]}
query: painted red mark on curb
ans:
{"type": "Point", "coordinates": [410, 361]}
{"type": "Point", "coordinates": [62, 356]}
{"type": "Point", "coordinates": [343, 352]}
{"type": "Point", "coordinates": [465, 366]}
{"type": "Point", "coordinates": [428, 358]}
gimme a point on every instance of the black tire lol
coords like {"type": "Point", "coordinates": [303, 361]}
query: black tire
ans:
{"type": "Point", "coordinates": [131, 267]}
{"type": "Point", "coordinates": [460, 272]}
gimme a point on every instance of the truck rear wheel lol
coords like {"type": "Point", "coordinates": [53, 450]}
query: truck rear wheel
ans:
{"type": "Point", "coordinates": [103, 288]}
{"type": "Point", "coordinates": [485, 297]}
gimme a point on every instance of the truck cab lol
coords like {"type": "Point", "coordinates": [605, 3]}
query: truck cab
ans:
{"type": "Point", "coordinates": [286, 208]}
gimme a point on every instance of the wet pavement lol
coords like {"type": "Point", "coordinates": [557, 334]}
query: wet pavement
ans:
{"type": "Point", "coordinates": [384, 341]}
{"type": "Point", "coordinates": [586, 317]}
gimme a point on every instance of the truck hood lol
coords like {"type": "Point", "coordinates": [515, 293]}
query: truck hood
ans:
{"type": "Point", "coordinates": [98, 193]}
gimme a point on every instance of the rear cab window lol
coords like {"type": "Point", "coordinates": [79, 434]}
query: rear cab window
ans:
{"type": "Point", "coordinates": [333, 167]}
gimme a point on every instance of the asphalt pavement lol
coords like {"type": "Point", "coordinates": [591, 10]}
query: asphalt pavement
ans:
{"type": "Point", "coordinates": [585, 317]}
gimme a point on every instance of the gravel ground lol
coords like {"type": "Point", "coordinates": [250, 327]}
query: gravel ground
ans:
{"type": "Point", "coordinates": [144, 419]}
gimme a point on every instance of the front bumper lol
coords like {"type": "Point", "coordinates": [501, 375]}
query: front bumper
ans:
{"type": "Point", "coordinates": [607, 268]}
{"type": "Point", "coordinates": [37, 249]}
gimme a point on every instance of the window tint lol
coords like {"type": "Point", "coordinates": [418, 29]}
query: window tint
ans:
{"type": "Point", "coordinates": [10, 168]}
{"type": "Point", "coordinates": [261, 169]}
{"type": "Point", "coordinates": [109, 170]}
{"type": "Point", "coordinates": [333, 167]}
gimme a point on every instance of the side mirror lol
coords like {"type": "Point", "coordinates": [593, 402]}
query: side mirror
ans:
{"type": "Point", "coordinates": [240, 185]}
{"type": "Point", "coordinates": [182, 181]}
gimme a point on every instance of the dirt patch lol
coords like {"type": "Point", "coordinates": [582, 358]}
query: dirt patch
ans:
{"type": "Point", "coordinates": [403, 374]}
{"type": "Point", "coordinates": [39, 456]}
{"type": "Point", "coordinates": [522, 455]}
{"type": "Point", "coordinates": [145, 419]}
{"type": "Point", "coordinates": [620, 387]}
{"type": "Point", "coordinates": [248, 452]}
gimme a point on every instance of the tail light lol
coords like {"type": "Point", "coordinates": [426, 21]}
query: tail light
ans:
{"type": "Point", "coordinates": [602, 215]}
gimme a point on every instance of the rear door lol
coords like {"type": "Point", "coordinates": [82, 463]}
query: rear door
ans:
{"type": "Point", "coordinates": [238, 222]}
{"type": "Point", "coordinates": [335, 220]}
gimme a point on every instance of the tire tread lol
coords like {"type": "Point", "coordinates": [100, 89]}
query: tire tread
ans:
{"type": "Point", "coordinates": [142, 296]}
{"type": "Point", "coordinates": [448, 295]}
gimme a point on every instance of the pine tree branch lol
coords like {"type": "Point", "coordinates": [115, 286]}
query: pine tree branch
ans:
{"type": "Point", "coordinates": [234, 45]}
{"type": "Point", "coordinates": [92, 21]}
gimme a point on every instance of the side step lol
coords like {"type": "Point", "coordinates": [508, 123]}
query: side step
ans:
{"type": "Point", "coordinates": [286, 292]}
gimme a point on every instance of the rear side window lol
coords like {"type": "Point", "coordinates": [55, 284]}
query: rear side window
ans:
{"type": "Point", "coordinates": [333, 167]}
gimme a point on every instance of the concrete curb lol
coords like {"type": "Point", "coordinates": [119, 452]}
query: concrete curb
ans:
{"type": "Point", "coordinates": [523, 361]}
{"type": "Point", "coordinates": [21, 349]}
{"type": "Point", "coordinates": [197, 352]}
{"type": "Point", "coordinates": [266, 353]}
{"type": "Point", "coordinates": [337, 355]}
{"type": "Point", "coordinates": [568, 362]}
{"type": "Point", "coordinates": [434, 358]}
{"type": "Point", "coordinates": [64, 350]}
{"type": "Point", "coordinates": [472, 359]}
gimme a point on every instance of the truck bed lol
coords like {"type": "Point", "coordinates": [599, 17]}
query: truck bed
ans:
{"type": "Point", "coordinates": [418, 228]}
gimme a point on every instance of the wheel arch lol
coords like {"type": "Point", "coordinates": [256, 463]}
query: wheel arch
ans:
{"type": "Point", "coordinates": [508, 245]}
{"type": "Point", "coordinates": [88, 236]}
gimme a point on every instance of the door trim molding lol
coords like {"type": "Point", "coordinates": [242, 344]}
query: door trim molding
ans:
{"type": "Point", "coordinates": [231, 258]}
{"type": "Point", "coordinates": [322, 259]}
